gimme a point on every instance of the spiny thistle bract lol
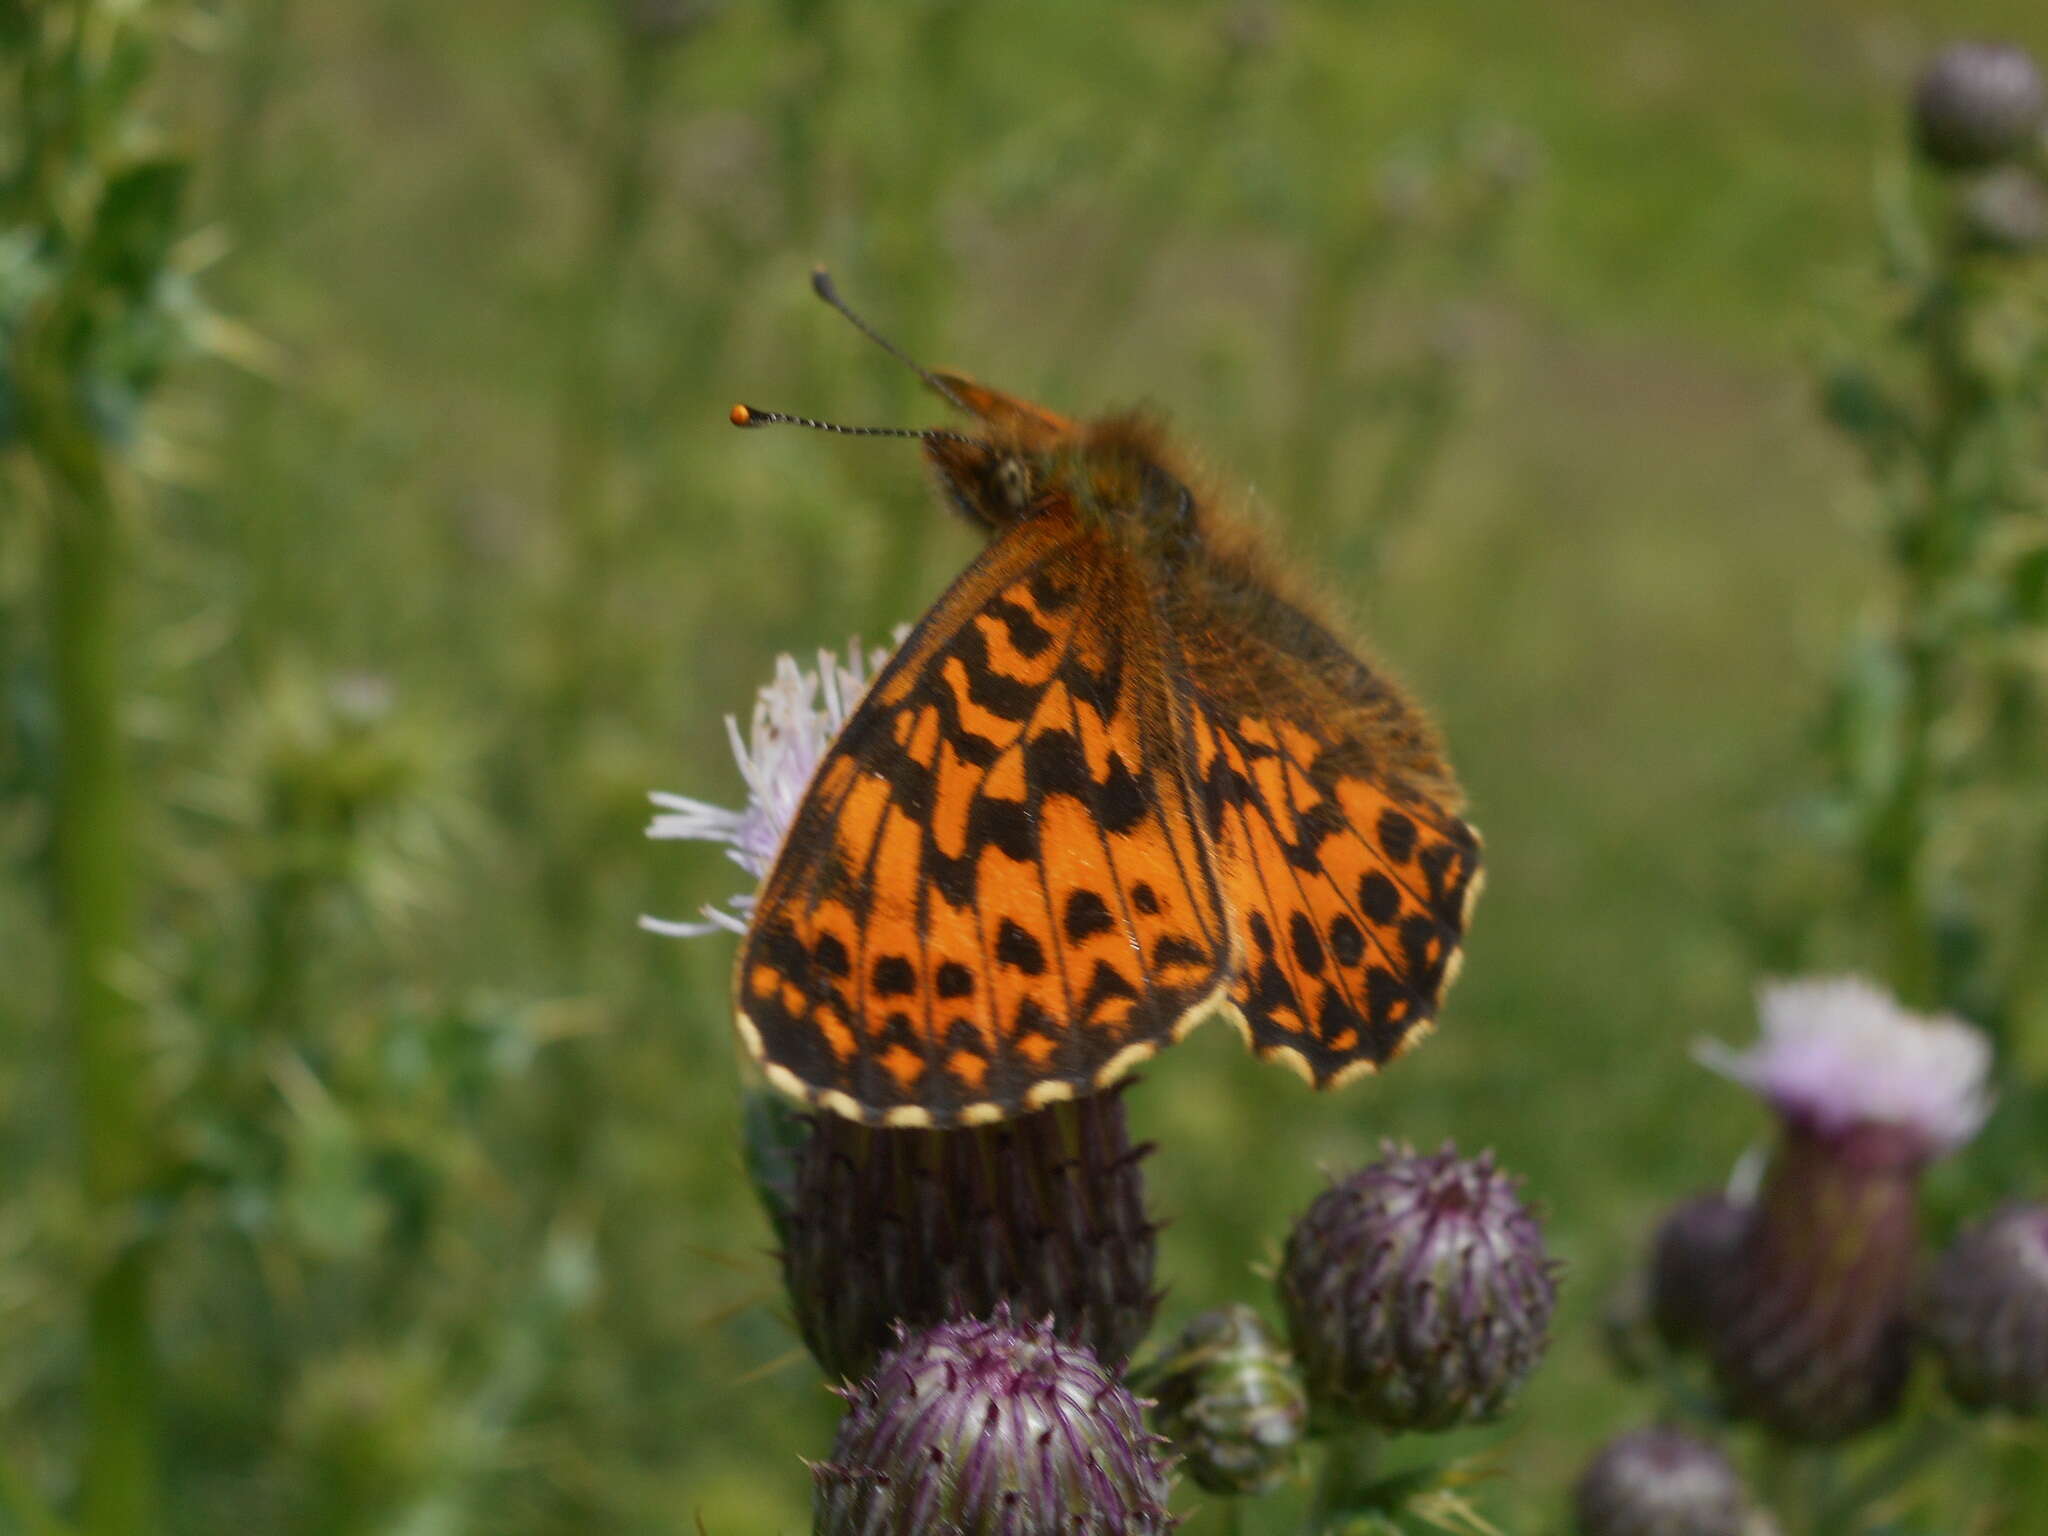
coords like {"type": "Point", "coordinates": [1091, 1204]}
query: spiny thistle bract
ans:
{"type": "Point", "coordinates": [988, 1428]}
{"type": "Point", "coordinates": [1659, 1482]}
{"type": "Point", "coordinates": [1811, 1332]}
{"type": "Point", "coordinates": [1231, 1401]}
{"type": "Point", "coordinates": [1976, 104]}
{"type": "Point", "coordinates": [1046, 1212]}
{"type": "Point", "coordinates": [1986, 1312]}
{"type": "Point", "coordinates": [1418, 1293]}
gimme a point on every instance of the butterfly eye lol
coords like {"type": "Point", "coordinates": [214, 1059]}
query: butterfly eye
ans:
{"type": "Point", "coordinates": [1015, 481]}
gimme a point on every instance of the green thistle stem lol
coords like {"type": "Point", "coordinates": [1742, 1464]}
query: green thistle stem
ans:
{"type": "Point", "coordinates": [1351, 1463]}
{"type": "Point", "coordinates": [79, 64]}
{"type": "Point", "coordinates": [94, 900]}
{"type": "Point", "coordinates": [1937, 548]}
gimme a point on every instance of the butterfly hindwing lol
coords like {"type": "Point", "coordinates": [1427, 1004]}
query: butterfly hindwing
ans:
{"type": "Point", "coordinates": [996, 892]}
{"type": "Point", "coordinates": [1347, 871]}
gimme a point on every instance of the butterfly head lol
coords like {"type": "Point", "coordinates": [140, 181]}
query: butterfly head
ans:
{"type": "Point", "coordinates": [1007, 469]}
{"type": "Point", "coordinates": [1026, 459]}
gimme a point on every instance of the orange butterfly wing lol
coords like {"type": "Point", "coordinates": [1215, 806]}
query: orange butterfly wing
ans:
{"type": "Point", "coordinates": [1347, 871]}
{"type": "Point", "coordinates": [996, 892]}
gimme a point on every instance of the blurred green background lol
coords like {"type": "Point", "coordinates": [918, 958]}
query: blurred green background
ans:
{"type": "Point", "coordinates": [1502, 316]}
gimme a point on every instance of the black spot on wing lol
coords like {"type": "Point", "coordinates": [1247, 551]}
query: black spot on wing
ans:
{"type": "Point", "coordinates": [1087, 915]}
{"type": "Point", "coordinates": [1120, 801]}
{"type": "Point", "coordinates": [894, 976]}
{"type": "Point", "coordinates": [1015, 947]}
{"type": "Point", "coordinates": [1306, 942]}
{"type": "Point", "coordinates": [1397, 835]}
{"type": "Point", "coordinates": [1378, 897]}
{"type": "Point", "coordinates": [831, 955]}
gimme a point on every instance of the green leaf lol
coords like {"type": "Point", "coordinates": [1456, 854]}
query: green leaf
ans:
{"type": "Point", "coordinates": [135, 224]}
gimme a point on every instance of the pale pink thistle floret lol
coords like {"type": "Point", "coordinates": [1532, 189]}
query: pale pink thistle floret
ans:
{"type": "Point", "coordinates": [796, 718]}
{"type": "Point", "coordinates": [1838, 1054]}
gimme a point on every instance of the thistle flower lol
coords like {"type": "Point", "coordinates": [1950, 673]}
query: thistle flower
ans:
{"type": "Point", "coordinates": [1810, 1332]}
{"type": "Point", "coordinates": [1659, 1482]}
{"type": "Point", "coordinates": [1986, 1312]}
{"type": "Point", "coordinates": [1418, 1292]}
{"type": "Point", "coordinates": [984, 1427]}
{"type": "Point", "coordinates": [1046, 1212]}
{"type": "Point", "coordinates": [1688, 1256]}
{"type": "Point", "coordinates": [1230, 1400]}
{"type": "Point", "coordinates": [1978, 103]}
{"type": "Point", "coordinates": [795, 719]}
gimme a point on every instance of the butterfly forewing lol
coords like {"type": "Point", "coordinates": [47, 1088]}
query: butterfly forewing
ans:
{"type": "Point", "coordinates": [997, 892]}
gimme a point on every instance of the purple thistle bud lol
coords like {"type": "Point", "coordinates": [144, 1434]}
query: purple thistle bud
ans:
{"type": "Point", "coordinates": [1977, 103]}
{"type": "Point", "coordinates": [1688, 1258]}
{"type": "Point", "coordinates": [1418, 1292]}
{"type": "Point", "coordinates": [1986, 1312]}
{"type": "Point", "coordinates": [1046, 1212]}
{"type": "Point", "coordinates": [984, 1427]}
{"type": "Point", "coordinates": [1810, 1332]}
{"type": "Point", "coordinates": [1230, 1400]}
{"type": "Point", "coordinates": [1660, 1482]}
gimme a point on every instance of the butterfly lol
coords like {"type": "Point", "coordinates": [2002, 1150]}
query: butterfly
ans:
{"type": "Point", "coordinates": [1117, 781]}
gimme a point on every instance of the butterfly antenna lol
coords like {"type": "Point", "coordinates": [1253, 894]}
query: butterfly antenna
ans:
{"type": "Point", "coordinates": [822, 285]}
{"type": "Point", "coordinates": [748, 416]}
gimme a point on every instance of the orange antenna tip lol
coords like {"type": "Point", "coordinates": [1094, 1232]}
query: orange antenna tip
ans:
{"type": "Point", "coordinates": [742, 417]}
